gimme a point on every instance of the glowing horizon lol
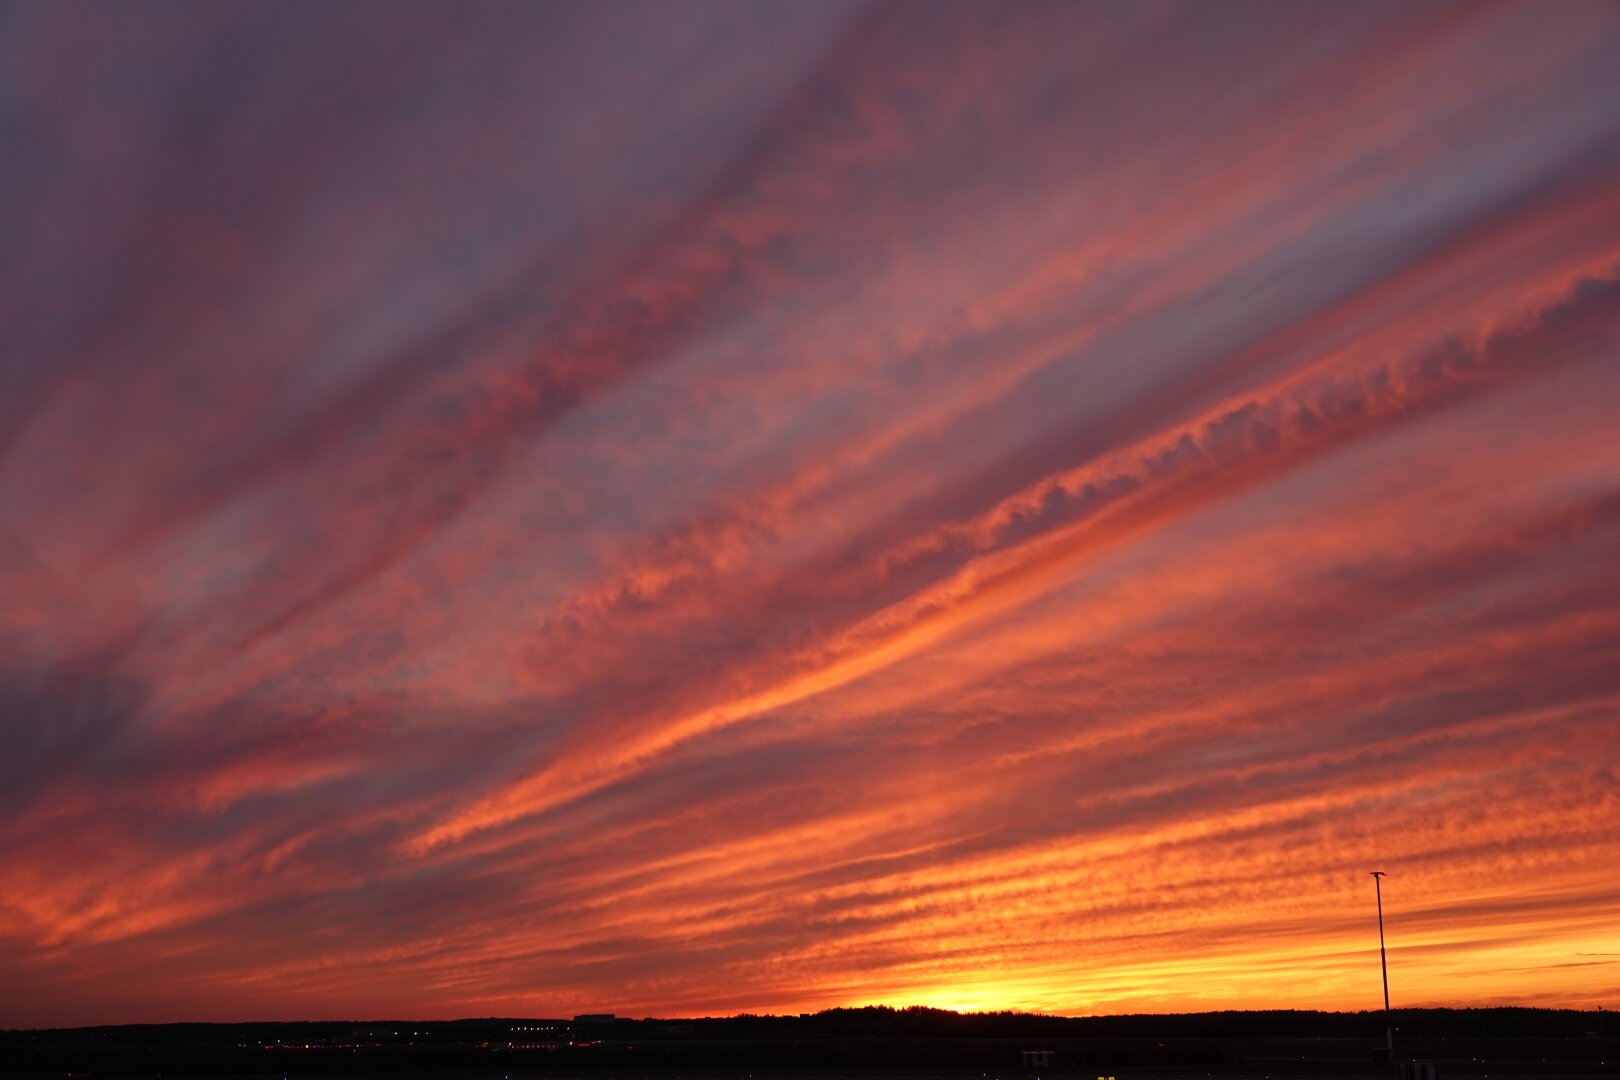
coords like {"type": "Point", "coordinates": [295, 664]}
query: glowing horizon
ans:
{"type": "Point", "coordinates": [682, 509]}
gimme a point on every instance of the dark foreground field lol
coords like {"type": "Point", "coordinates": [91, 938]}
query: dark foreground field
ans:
{"type": "Point", "coordinates": [865, 1044]}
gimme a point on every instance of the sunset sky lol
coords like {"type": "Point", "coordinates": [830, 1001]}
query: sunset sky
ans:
{"type": "Point", "coordinates": [679, 508]}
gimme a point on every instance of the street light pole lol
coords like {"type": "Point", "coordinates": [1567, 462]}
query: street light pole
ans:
{"type": "Point", "coordinates": [1383, 963]}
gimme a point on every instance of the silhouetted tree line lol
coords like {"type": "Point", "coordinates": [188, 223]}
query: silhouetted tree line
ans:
{"type": "Point", "coordinates": [872, 1041]}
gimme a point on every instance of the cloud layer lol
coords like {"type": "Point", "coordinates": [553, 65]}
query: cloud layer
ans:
{"type": "Point", "coordinates": [519, 509]}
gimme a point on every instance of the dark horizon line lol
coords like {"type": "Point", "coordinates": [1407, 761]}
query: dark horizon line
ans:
{"type": "Point", "coordinates": [611, 1018]}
